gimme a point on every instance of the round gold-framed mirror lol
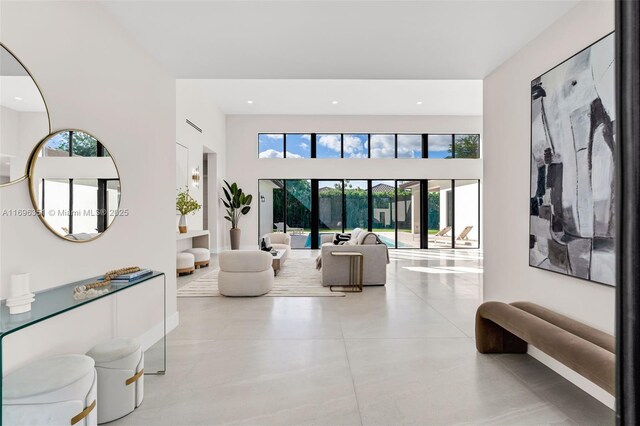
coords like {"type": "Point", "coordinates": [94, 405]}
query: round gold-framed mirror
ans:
{"type": "Point", "coordinates": [74, 185]}
{"type": "Point", "coordinates": [24, 117]}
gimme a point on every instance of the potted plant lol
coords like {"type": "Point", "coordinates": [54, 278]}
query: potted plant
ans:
{"type": "Point", "coordinates": [185, 204]}
{"type": "Point", "coordinates": [238, 204]}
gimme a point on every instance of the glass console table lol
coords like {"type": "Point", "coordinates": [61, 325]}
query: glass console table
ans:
{"type": "Point", "coordinates": [56, 301]}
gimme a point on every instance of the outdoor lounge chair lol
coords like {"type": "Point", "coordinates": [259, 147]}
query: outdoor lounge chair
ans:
{"type": "Point", "coordinates": [441, 233]}
{"type": "Point", "coordinates": [464, 234]}
{"type": "Point", "coordinates": [290, 229]}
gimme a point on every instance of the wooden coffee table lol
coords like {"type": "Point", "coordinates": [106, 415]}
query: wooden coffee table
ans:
{"type": "Point", "coordinates": [277, 261]}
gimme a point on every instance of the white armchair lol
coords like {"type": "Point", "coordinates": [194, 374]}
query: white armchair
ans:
{"type": "Point", "coordinates": [280, 241]}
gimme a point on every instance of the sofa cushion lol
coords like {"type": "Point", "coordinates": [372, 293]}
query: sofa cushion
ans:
{"type": "Point", "coordinates": [367, 238]}
{"type": "Point", "coordinates": [355, 233]}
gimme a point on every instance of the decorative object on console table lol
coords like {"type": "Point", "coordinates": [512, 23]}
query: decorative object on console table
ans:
{"type": "Point", "coordinates": [21, 296]}
{"type": "Point", "coordinates": [571, 217]}
{"type": "Point", "coordinates": [99, 287]}
{"type": "Point", "coordinates": [238, 204]}
{"type": "Point", "coordinates": [185, 204]}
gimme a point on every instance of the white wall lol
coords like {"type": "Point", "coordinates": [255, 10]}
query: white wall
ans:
{"type": "Point", "coordinates": [245, 168]}
{"type": "Point", "coordinates": [193, 103]}
{"type": "Point", "coordinates": [508, 276]}
{"type": "Point", "coordinates": [18, 130]}
{"type": "Point", "coordinates": [95, 78]}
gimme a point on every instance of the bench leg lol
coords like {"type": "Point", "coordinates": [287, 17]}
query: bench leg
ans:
{"type": "Point", "coordinates": [491, 338]}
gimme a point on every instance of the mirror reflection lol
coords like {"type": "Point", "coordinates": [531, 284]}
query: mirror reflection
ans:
{"type": "Point", "coordinates": [23, 118]}
{"type": "Point", "coordinates": [75, 185]}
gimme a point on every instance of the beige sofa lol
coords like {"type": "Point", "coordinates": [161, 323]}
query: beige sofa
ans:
{"type": "Point", "coordinates": [280, 241]}
{"type": "Point", "coordinates": [335, 269]}
{"type": "Point", "coordinates": [245, 273]}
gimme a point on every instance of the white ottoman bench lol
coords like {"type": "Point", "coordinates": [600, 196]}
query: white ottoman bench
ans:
{"type": "Point", "coordinates": [202, 256]}
{"type": "Point", "coordinates": [120, 367]}
{"type": "Point", "coordinates": [245, 273]}
{"type": "Point", "coordinates": [59, 390]}
{"type": "Point", "coordinates": [185, 263]}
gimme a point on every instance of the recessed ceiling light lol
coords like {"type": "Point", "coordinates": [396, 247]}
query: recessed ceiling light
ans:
{"type": "Point", "coordinates": [419, 103]}
{"type": "Point", "coordinates": [335, 102]}
{"type": "Point", "coordinates": [249, 102]}
{"type": "Point", "coordinates": [18, 98]}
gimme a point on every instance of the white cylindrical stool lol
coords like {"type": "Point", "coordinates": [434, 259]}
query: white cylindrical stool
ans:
{"type": "Point", "coordinates": [60, 390]}
{"type": "Point", "coordinates": [202, 256]}
{"type": "Point", "coordinates": [120, 367]}
{"type": "Point", "coordinates": [185, 263]}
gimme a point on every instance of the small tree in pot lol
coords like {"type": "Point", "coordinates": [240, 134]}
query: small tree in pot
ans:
{"type": "Point", "coordinates": [238, 204]}
{"type": "Point", "coordinates": [185, 204]}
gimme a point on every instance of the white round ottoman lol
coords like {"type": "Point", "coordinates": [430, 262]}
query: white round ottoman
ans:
{"type": "Point", "coordinates": [202, 256]}
{"type": "Point", "coordinates": [120, 367]}
{"type": "Point", "coordinates": [60, 390]}
{"type": "Point", "coordinates": [185, 263]}
{"type": "Point", "coordinates": [245, 273]}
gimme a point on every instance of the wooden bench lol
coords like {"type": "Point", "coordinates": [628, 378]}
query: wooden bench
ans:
{"type": "Point", "coordinates": [508, 328]}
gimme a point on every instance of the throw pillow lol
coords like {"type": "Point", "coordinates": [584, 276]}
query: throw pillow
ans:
{"type": "Point", "coordinates": [341, 238]}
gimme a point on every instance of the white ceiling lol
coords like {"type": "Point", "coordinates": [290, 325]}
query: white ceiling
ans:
{"type": "Point", "coordinates": [354, 97]}
{"type": "Point", "coordinates": [20, 93]}
{"type": "Point", "coordinates": [415, 40]}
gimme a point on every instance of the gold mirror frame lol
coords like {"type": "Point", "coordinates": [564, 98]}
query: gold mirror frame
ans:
{"type": "Point", "coordinates": [46, 107]}
{"type": "Point", "coordinates": [30, 174]}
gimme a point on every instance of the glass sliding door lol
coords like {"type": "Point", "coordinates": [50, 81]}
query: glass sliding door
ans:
{"type": "Point", "coordinates": [467, 211]}
{"type": "Point", "coordinates": [298, 223]}
{"type": "Point", "coordinates": [330, 218]}
{"type": "Point", "coordinates": [384, 218]}
{"type": "Point", "coordinates": [408, 213]}
{"type": "Point", "coordinates": [356, 199]}
{"type": "Point", "coordinates": [271, 206]}
{"type": "Point", "coordinates": [440, 214]}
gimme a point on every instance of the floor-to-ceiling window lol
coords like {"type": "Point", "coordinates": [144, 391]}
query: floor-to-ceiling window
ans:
{"type": "Point", "coordinates": [408, 214]}
{"type": "Point", "coordinates": [440, 205]}
{"type": "Point", "coordinates": [330, 206]}
{"type": "Point", "coordinates": [356, 199]}
{"type": "Point", "coordinates": [466, 202]}
{"type": "Point", "coordinates": [384, 202]}
{"type": "Point", "coordinates": [298, 213]}
{"type": "Point", "coordinates": [404, 213]}
{"type": "Point", "coordinates": [271, 209]}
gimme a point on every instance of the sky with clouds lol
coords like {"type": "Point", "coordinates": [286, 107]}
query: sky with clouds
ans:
{"type": "Point", "coordinates": [354, 145]}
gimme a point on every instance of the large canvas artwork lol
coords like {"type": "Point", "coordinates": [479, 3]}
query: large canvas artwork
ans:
{"type": "Point", "coordinates": [572, 222]}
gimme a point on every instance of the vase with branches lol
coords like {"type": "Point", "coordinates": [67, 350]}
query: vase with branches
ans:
{"type": "Point", "coordinates": [185, 204]}
{"type": "Point", "coordinates": [237, 204]}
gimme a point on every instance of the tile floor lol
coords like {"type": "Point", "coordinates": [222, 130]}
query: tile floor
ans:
{"type": "Point", "coordinates": [399, 354]}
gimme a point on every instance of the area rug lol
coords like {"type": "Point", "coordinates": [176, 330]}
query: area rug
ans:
{"type": "Point", "coordinates": [297, 278]}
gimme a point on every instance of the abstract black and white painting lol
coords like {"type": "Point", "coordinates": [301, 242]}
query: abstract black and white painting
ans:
{"type": "Point", "coordinates": [572, 223]}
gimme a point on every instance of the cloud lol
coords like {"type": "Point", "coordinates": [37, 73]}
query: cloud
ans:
{"type": "Point", "coordinates": [355, 146]}
{"type": "Point", "coordinates": [270, 153]}
{"type": "Point", "coordinates": [303, 145]}
{"type": "Point", "coordinates": [306, 137]}
{"type": "Point", "coordinates": [292, 155]}
{"type": "Point", "coordinates": [273, 136]}
{"type": "Point", "coordinates": [331, 142]}
{"type": "Point", "coordinates": [439, 142]}
{"type": "Point", "coordinates": [409, 146]}
{"type": "Point", "coordinates": [383, 146]}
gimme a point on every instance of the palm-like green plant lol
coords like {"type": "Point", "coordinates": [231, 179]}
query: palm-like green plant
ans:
{"type": "Point", "coordinates": [237, 203]}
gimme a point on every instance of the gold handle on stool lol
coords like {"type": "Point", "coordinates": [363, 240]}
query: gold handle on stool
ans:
{"type": "Point", "coordinates": [134, 378]}
{"type": "Point", "coordinates": [84, 413]}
